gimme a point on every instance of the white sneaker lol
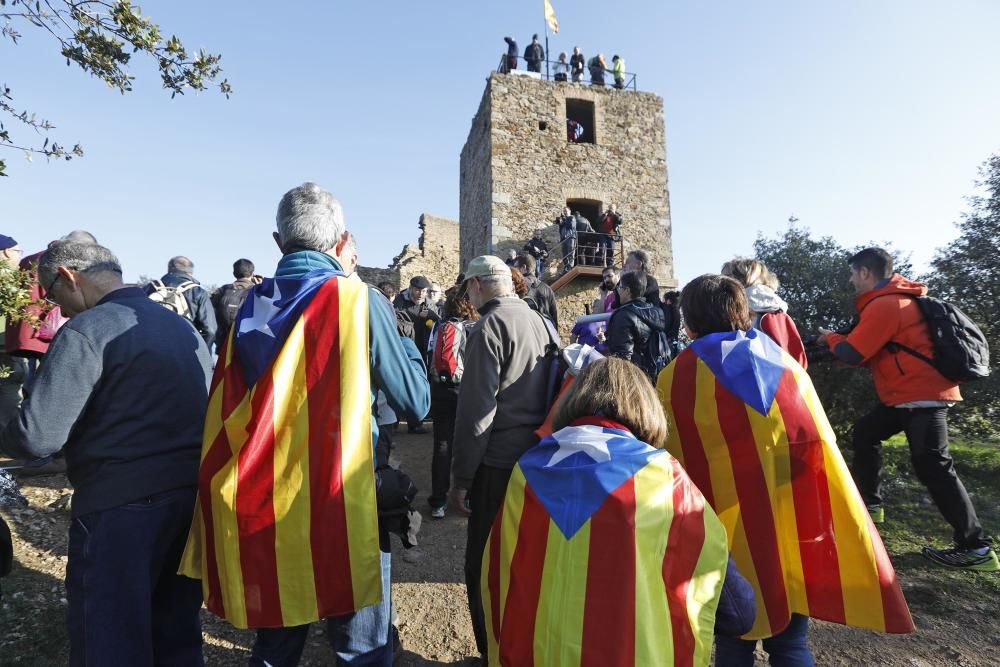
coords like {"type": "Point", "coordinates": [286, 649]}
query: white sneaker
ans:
{"type": "Point", "coordinates": [437, 512]}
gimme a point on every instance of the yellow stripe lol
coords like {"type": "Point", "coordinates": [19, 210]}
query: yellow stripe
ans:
{"type": "Point", "coordinates": [226, 532]}
{"type": "Point", "coordinates": [356, 444]}
{"type": "Point", "coordinates": [512, 510]}
{"type": "Point", "coordinates": [723, 486]}
{"type": "Point", "coordinates": [296, 585]}
{"type": "Point", "coordinates": [855, 551]}
{"type": "Point", "coordinates": [484, 592]}
{"type": "Point", "coordinates": [562, 599]}
{"type": "Point", "coordinates": [664, 383]}
{"type": "Point", "coordinates": [654, 485]}
{"type": "Point", "coordinates": [770, 434]}
{"type": "Point", "coordinates": [706, 586]}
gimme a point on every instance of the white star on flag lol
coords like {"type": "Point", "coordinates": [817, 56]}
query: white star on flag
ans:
{"type": "Point", "coordinates": [591, 440]}
{"type": "Point", "coordinates": [755, 343]}
{"type": "Point", "coordinates": [264, 311]}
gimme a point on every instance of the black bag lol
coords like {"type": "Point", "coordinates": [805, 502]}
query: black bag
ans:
{"type": "Point", "coordinates": [227, 301]}
{"type": "Point", "coordinates": [657, 352]}
{"type": "Point", "coordinates": [961, 352]}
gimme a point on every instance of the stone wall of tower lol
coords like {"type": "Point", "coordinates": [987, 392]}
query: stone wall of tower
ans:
{"type": "Point", "coordinates": [518, 163]}
{"type": "Point", "coordinates": [476, 187]}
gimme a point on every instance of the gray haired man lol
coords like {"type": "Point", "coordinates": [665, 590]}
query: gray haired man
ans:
{"type": "Point", "coordinates": [500, 405]}
{"type": "Point", "coordinates": [122, 392]}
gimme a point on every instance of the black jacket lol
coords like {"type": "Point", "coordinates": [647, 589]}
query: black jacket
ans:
{"type": "Point", "coordinates": [511, 47]}
{"type": "Point", "coordinates": [652, 294]}
{"type": "Point", "coordinates": [534, 53]}
{"type": "Point", "coordinates": [583, 225]}
{"type": "Point", "coordinates": [541, 298]}
{"type": "Point", "coordinates": [567, 226]}
{"type": "Point", "coordinates": [418, 314]}
{"type": "Point", "coordinates": [629, 330]}
{"type": "Point", "coordinates": [537, 248]}
{"type": "Point", "coordinates": [576, 63]}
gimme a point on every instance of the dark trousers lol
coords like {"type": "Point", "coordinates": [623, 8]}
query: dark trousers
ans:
{"type": "Point", "coordinates": [485, 499]}
{"type": "Point", "coordinates": [568, 247]}
{"type": "Point", "coordinates": [788, 648]}
{"type": "Point", "coordinates": [443, 408]}
{"type": "Point", "coordinates": [606, 249]}
{"type": "Point", "coordinates": [927, 435]}
{"type": "Point", "coordinates": [127, 604]}
{"type": "Point", "coordinates": [534, 65]}
{"type": "Point", "coordinates": [540, 267]}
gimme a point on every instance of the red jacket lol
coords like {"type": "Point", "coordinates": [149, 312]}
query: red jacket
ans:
{"type": "Point", "coordinates": [781, 328]}
{"type": "Point", "coordinates": [21, 338]}
{"type": "Point", "coordinates": [891, 314]}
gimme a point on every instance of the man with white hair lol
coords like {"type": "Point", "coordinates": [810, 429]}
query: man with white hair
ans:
{"type": "Point", "coordinates": [122, 392]}
{"type": "Point", "coordinates": [502, 401]}
{"type": "Point", "coordinates": [286, 533]}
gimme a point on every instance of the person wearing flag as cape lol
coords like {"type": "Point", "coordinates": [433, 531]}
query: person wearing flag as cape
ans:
{"type": "Point", "coordinates": [605, 552]}
{"type": "Point", "coordinates": [751, 433]}
{"type": "Point", "coordinates": [286, 530]}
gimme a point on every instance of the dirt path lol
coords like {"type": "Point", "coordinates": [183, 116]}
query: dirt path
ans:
{"type": "Point", "coordinates": [430, 600]}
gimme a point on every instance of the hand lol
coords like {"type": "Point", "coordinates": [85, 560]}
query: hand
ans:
{"type": "Point", "coordinates": [458, 498]}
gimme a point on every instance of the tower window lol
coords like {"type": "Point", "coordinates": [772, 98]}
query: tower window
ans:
{"type": "Point", "coordinates": [580, 121]}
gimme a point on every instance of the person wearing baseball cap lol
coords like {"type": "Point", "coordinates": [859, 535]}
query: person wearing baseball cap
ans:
{"type": "Point", "coordinates": [500, 404]}
{"type": "Point", "coordinates": [10, 252]}
{"type": "Point", "coordinates": [411, 305]}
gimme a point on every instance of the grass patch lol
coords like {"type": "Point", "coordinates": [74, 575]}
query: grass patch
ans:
{"type": "Point", "coordinates": [913, 521]}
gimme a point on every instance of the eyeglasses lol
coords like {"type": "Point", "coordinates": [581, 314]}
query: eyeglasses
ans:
{"type": "Point", "coordinates": [48, 290]}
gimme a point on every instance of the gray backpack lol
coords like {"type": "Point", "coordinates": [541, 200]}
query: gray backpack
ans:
{"type": "Point", "coordinates": [173, 298]}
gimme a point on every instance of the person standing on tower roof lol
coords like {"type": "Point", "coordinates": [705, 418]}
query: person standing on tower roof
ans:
{"type": "Point", "coordinates": [598, 66]}
{"type": "Point", "coordinates": [576, 63]}
{"type": "Point", "coordinates": [511, 61]}
{"type": "Point", "coordinates": [562, 68]}
{"type": "Point", "coordinates": [618, 69]}
{"type": "Point", "coordinates": [534, 54]}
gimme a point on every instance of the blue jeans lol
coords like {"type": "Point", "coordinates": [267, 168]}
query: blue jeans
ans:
{"type": "Point", "coordinates": [788, 648]}
{"type": "Point", "coordinates": [362, 638]}
{"type": "Point", "coordinates": [127, 604]}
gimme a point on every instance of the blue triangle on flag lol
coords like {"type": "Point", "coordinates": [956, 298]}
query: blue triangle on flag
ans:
{"type": "Point", "coordinates": [750, 365]}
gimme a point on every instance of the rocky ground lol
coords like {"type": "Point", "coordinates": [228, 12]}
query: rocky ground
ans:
{"type": "Point", "coordinates": [955, 612]}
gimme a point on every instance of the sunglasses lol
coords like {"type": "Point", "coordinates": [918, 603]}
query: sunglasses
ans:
{"type": "Point", "coordinates": [48, 291]}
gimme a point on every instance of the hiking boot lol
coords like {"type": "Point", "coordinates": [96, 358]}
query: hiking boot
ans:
{"type": "Point", "coordinates": [877, 513]}
{"type": "Point", "coordinates": [437, 512]}
{"type": "Point", "coordinates": [982, 559]}
{"type": "Point", "coordinates": [418, 430]}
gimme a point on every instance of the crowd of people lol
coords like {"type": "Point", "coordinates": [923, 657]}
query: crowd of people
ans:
{"type": "Point", "coordinates": [567, 67]}
{"type": "Point", "coordinates": [637, 496]}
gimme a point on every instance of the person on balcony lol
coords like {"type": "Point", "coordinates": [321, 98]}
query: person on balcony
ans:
{"type": "Point", "coordinates": [608, 226]}
{"type": "Point", "coordinates": [597, 66]}
{"type": "Point", "coordinates": [562, 68]}
{"type": "Point", "coordinates": [567, 238]}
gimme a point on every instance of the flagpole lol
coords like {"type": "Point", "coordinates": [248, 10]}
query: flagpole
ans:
{"type": "Point", "coordinates": [547, 77]}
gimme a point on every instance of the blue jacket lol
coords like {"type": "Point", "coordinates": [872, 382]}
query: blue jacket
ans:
{"type": "Point", "coordinates": [396, 366]}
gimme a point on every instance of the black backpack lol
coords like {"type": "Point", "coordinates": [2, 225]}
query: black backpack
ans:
{"type": "Point", "coordinates": [227, 301]}
{"type": "Point", "coordinates": [961, 352]}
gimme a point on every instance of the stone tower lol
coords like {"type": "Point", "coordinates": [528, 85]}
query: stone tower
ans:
{"type": "Point", "coordinates": [518, 171]}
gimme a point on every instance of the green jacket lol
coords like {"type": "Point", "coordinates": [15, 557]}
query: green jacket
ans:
{"type": "Point", "coordinates": [619, 68]}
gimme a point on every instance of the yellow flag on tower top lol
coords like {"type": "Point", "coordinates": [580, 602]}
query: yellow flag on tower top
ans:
{"type": "Point", "coordinates": [550, 18]}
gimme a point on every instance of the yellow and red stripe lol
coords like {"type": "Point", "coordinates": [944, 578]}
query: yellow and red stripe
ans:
{"type": "Point", "coordinates": [286, 531]}
{"type": "Point", "coordinates": [797, 527]}
{"type": "Point", "coordinates": [637, 584]}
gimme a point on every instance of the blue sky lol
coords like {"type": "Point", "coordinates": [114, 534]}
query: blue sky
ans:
{"type": "Point", "coordinates": [866, 120]}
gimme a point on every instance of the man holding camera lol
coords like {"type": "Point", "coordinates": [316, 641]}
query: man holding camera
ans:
{"type": "Point", "coordinates": [913, 398]}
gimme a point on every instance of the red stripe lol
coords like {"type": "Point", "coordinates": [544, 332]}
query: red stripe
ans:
{"type": "Point", "coordinates": [328, 525]}
{"type": "Point", "coordinates": [493, 577]}
{"type": "Point", "coordinates": [813, 511]}
{"type": "Point", "coordinates": [603, 422]}
{"type": "Point", "coordinates": [755, 506]}
{"type": "Point", "coordinates": [684, 546]}
{"type": "Point", "coordinates": [609, 611]}
{"type": "Point", "coordinates": [894, 607]}
{"type": "Point", "coordinates": [218, 455]}
{"type": "Point", "coordinates": [517, 634]}
{"type": "Point", "coordinates": [683, 391]}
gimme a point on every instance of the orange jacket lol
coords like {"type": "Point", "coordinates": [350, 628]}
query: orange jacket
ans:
{"type": "Point", "coordinates": [891, 314]}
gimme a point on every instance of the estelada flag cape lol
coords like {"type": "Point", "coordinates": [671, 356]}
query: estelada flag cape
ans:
{"type": "Point", "coordinates": [286, 529]}
{"type": "Point", "coordinates": [604, 553]}
{"type": "Point", "coordinates": [749, 429]}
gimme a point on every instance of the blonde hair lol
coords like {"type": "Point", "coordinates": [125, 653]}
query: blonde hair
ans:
{"type": "Point", "coordinates": [618, 390]}
{"type": "Point", "coordinates": [750, 272]}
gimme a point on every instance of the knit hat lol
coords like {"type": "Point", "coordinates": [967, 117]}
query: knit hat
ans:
{"type": "Point", "coordinates": [7, 242]}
